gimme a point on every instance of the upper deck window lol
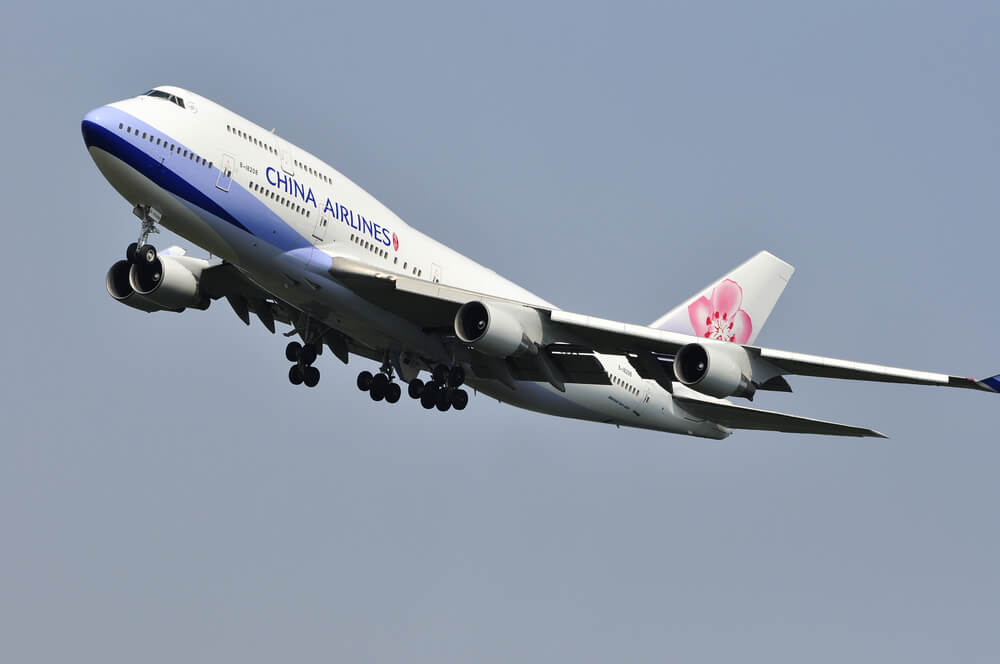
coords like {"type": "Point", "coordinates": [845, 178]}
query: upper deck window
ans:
{"type": "Point", "coordinates": [166, 95]}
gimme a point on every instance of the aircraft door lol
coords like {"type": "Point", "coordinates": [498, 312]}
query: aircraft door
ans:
{"type": "Point", "coordinates": [435, 273]}
{"type": "Point", "coordinates": [226, 172]}
{"type": "Point", "coordinates": [287, 165]}
{"type": "Point", "coordinates": [319, 232]}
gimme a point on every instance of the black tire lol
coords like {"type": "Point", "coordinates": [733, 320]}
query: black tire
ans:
{"type": "Point", "coordinates": [456, 377]}
{"type": "Point", "coordinates": [443, 400]}
{"type": "Point", "coordinates": [295, 376]}
{"type": "Point", "coordinates": [393, 392]}
{"type": "Point", "coordinates": [311, 376]}
{"type": "Point", "coordinates": [428, 399]}
{"type": "Point", "coordinates": [146, 254]}
{"type": "Point", "coordinates": [307, 355]}
{"type": "Point", "coordinates": [381, 381]}
{"type": "Point", "coordinates": [292, 351]}
{"type": "Point", "coordinates": [440, 373]}
{"type": "Point", "coordinates": [376, 392]}
{"type": "Point", "coordinates": [365, 381]}
{"type": "Point", "coordinates": [130, 252]}
{"type": "Point", "coordinates": [459, 399]}
{"type": "Point", "coordinates": [415, 388]}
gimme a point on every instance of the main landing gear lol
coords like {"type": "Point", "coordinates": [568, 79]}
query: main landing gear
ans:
{"type": "Point", "coordinates": [302, 371]}
{"type": "Point", "coordinates": [381, 385]}
{"type": "Point", "coordinates": [442, 391]}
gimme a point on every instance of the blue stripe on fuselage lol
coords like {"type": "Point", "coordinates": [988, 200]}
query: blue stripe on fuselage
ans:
{"type": "Point", "coordinates": [186, 179]}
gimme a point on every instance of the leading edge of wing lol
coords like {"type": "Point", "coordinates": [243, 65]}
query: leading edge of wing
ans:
{"type": "Point", "coordinates": [742, 417]}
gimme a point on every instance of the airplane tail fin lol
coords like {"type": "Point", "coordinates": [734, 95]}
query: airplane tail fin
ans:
{"type": "Point", "coordinates": [736, 306]}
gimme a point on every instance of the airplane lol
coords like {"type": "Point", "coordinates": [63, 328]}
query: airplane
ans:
{"type": "Point", "coordinates": [294, 241]}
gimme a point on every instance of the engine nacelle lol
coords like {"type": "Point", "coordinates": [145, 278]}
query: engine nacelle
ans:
{"type": "Point", "coordinates": [716, 369]}
{"type": "Point", "coordinates": [120, 288]}
{"type": "Point", "coordinates": [170, 282]}
{"type": "Point", "coordinates": [497, 329]}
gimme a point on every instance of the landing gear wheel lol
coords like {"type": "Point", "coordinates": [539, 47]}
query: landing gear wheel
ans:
{"type": "Point", "coordinates": [440, 373]}
{"type": "Point", "coordinates": [295, 375]}
{"type": "Point", "coordinates": [130, 252]}
{"type": "Point", "coordinates": [307, 355]}
{"type": "Point", "coordinates": [429, 398]}
{"type": "Point", "coordinates": [376, 392]}
{"type": "Point", "coordinates": [380, 381]}
{"type": "Point", "coordinates": [443, 402]}
{"type": "Point", "coordinates": [415, 388]}
{"type": "Point", "coordinates": [365, 381]}
{"type": "Point", "coordinates": [456, 377]}
{"type": "Point", "coordinates": [393, 392]}
{"type": "Point", "coordinates": [292, 351]}
{"type": "Point", "coordinates": [459, 399]}
{"type": "Point", "coordinates": [310, 376]}
{"type": "Point", "coordinates": [146, 254]}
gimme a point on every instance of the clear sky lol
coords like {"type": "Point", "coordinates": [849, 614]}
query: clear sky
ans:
{"type": "Point", "coordinates": [166, 495]}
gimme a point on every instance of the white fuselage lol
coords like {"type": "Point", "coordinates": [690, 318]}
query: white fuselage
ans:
{"type": "Point", "coordinates": [280, 214]}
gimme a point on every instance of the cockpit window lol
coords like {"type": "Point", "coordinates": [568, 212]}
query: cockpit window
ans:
{"type": "Point", "coordinates": [166, 95]}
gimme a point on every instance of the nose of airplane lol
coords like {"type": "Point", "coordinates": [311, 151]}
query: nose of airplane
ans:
{"type": "Point", "coordinates": [93, 125]}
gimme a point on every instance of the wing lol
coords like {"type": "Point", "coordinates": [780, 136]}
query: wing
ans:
{"type": "Point", "coordinates": [433, 306]}
{"type": "Point", "coordinates": [742, 417]}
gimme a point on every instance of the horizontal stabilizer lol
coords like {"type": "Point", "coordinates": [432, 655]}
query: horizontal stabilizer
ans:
{"type": "Point", "coordinates": [742, 417]}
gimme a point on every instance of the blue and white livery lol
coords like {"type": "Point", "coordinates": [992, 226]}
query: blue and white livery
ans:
{"type": "Point", "coordinates": [297, 243]}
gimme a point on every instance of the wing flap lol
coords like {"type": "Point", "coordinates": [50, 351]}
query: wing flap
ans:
{"type": "Point", "coordinates": [742, 417]}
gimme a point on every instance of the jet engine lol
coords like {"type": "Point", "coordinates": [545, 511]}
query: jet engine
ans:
{"type": "Point", "coordinates": [716, 369]}
{"type": "Point", "coordinates": [118, 286]}
{"type": "Point", "coordinates": [498, 329]}
{"type": "Point", "coordinates": [170, 281]}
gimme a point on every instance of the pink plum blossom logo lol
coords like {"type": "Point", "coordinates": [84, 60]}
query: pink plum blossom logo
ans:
{"type": "Point", "coordinates": [720, 316]}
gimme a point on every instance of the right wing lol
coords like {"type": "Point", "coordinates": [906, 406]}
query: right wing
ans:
{"type": "Point", "coordinates": [742, 417]}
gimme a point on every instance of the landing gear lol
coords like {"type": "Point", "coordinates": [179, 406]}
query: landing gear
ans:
{"type": "Point", "coordinates": [365, 381]}
{"type": "Point", "coordinates": [146, 254]}
{"type": "Point", "coordinates": [380, 386]}
{"type": "Point", "coordinates": [442, 391]}
{"type": "Point", "coordinates": [303, 357]}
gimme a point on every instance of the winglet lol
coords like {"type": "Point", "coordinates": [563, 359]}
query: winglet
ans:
{"type": "Point", "coordinates": [992, 383]}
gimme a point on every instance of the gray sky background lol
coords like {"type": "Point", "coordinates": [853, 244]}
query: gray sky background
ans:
{"type": "Point", "coordinates": [166, 495]}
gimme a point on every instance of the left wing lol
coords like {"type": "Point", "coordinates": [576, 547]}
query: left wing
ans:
{"type": "Point", "coordinates": [433, 306]}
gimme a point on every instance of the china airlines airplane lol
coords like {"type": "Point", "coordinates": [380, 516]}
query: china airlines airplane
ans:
{"type": "Point", "coordinates": [300, 244]}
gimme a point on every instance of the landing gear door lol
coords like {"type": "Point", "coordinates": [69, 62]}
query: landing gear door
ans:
{"type": "Point", "coordinates": [226, 172]}
{"type": "Point", "coordinates": [319, 233]}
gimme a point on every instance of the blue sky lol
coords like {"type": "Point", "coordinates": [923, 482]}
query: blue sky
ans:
{"type": "Point", "coordinates": [166, 495]}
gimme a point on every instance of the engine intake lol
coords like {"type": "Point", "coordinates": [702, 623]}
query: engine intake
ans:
{"type": "Point", "coordinates": [496, 329]}
{"type": "Point", "coordinates": [718, 370]}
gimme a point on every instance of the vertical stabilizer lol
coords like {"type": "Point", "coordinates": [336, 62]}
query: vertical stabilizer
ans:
{"type": "Point", "coordinates": [736, 306]}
